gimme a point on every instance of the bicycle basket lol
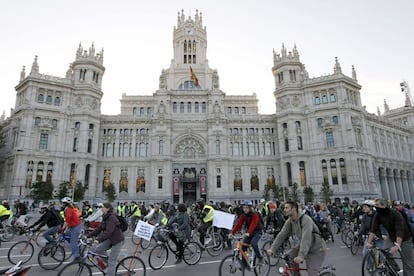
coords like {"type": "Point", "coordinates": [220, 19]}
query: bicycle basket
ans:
{"type": "Point", "coordinates": [161, 236]}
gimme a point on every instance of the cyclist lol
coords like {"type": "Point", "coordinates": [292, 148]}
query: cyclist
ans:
{"type": "Point", "coordinates": [254, 228]}
{"type": "Point", "coordinates": [183, 230]}
{"type": "Point", "coordinates": [73, 224]}
{"type": "Point", "coordinates": [275, 219]}
{"type": "Point", "coordinates": [5, 212]}
{"type": "Point", "coordinates": [206, 217]}
{"type": "Point", "coordinates": [398, 232]}
{"type": "Point", "coordinates": [53, 221]}
{"type": "Point", "coordinates": [156, 216]}
{"type": "Point", "coordinates": [307, 243]}
{"type": "Point", "coordinates": [96, 217]}
{"type": "Point", "coordinates": [135, 213]}
{"type": "Point", "coordinates": [110, 236]}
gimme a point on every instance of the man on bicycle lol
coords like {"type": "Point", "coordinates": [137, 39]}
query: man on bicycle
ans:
{"type": "Point", "coordinates": [274, 220]}
{"type": "Point", "coordinates": [398, 232]}
{"type": "Point", "coordinates": [5, 212]}
{"type": "Point", "coordinates": [206, 217]}
{"type": "Point", "coordinates": [52, 219]}
{"type": "Point", "coordinates": [307, 242]}
{"type": "Point", "coordinates": [254, 228]}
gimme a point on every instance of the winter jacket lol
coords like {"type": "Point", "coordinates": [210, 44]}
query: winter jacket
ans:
{"type": "Point", "coordinates": [109, 229]}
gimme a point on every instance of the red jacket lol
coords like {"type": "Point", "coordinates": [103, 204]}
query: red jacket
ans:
{"type": "Point", "coordinates": [71, 218]}
{"type": "Point", "coordinates": [252, 221]}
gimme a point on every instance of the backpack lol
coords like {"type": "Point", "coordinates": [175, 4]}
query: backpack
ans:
{"type": "Point", "coordinates": [58, 217]}
{"type": "Point", "coordinates": [123, 224]}
{"type": "Point", "coordinates": [408, 221]}
{"type": "Point", "coordinates": [322, 232]}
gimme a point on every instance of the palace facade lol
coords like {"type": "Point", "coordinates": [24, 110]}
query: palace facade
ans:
{"type": "Point", "coordinates": [189, 139]}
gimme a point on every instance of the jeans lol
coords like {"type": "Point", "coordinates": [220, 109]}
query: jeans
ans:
{"type": "Point", "coordinates": [74, 233]}
{"type": "Point", "coordinates": [49, 232]}
{"type": "Point", "coordinates": [253, 241]}
{"type": "Point", "coordinates": [113, 256]}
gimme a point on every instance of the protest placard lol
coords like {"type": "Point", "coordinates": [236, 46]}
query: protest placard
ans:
{"type": "Point", "coordinates": [223, 219]}
{"type": "Point", "coordinates": [144, 230]}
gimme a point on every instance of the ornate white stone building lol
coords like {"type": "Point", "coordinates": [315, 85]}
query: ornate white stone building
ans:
{"type": "Point", "coordinates": [189, 139]}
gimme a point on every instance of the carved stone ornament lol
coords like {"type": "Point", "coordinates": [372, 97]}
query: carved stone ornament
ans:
{"type": "Point", "coordinates": [189, 148]}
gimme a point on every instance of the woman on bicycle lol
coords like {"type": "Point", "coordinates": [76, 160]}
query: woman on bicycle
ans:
{"type": "Point", "coordinates": [109, 235]}
{"type": "Point", "coordinates": [73, 224]}
{"type": "Point", "coordinates": [183, 233]}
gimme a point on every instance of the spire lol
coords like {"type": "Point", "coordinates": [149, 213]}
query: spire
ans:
{"type": "Point", "coordinates": [23, 73]}
{"type": "Point", "coordinates": [283, 51]}
{"type": "Point", "coordinates": [35, 66]}
{"type": "Point", "coordinates": [79, 51]}
{"type": "Point", "coordinates": [406, 90]}
{"type": "Point", "coordinates": [378, 111]}
{"type": "Point", "coordinates": [178, 19]}
{"type": "Point", "coordinates": [337, 68]}
{"type": "Point", "coordinates": [295, 52]}
{"type": "Point", "coordinates": [305, 72]}
{"type": "Point", "coordinates": [92, 50]}
{"type": "Point", "coordinates": [386, 107]}
{"type": "Point", "coordinates": [354, 75]}
{"type": "Point", "coordinates": [69, 72]}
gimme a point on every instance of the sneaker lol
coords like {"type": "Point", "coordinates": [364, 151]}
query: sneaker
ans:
{"type": "Point", "coordinates": [77, 259]}
{"type": "Point", "coordinates": [179, 260]}
{"type": "Point", "coordinates": [261, 261]}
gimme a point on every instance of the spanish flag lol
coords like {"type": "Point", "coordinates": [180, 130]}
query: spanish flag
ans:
{"type": "Point", "coordinates": [193, 77]}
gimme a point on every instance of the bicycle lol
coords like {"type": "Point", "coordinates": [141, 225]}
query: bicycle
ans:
{"type": "Point", "coordinates": [213, 241]}
{"type": "Point", "coordinates": [269, 237]}
{"type": "Point", "coordinates": [22, 250]}
{"type": "Point", "coordinates": [240, 260]}
{"type": "Point", "coordinates": [379, 261]}
{"type": "Point", "coordinates": [158, 255]}
{"type": "Point", "coordinates": [52, 256]}
{"type": "Point", "coordinates": [357, 242]}
{"type": "Point", "coordinates": [326, 270]}
{"type": "Point", "coordinates": [130, 265]}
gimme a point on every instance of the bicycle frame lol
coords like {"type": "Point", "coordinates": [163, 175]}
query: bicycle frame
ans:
{"type": "Point", "coordinates": [284, 270]}
{"type": "Point", "coordinates": [240, 246]}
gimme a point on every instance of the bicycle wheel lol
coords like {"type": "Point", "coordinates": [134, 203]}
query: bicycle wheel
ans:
{"type": "Point", "coordinates": [51, 257]}
{"type": "Point", "coordinates": [7, 234]}
{"type": "Point", "coordinates": [371, 262]}
{"type": "Point", "coordinates": [76, 269]}
{"type": "Point", "coordinates": [344, 233]}
{"type": "Point", "coordinates": [131, 265]}
{"type": "Point", "coordinates": [349, 237]}
{"type": "Point", "coordinates": [20, 251]}
{"type": "Point", "coordinates": [192, 253]}
{"type": "Point", "coordinates": [230, 265]}
{"type": "Point", "coordinates": [39, 240]}
{"type": "Point", "coordinates": [264, 269]}
{"type": "Point", "coordinates": [214, 247]}
{"type": "Point", "coordinates": [355, 244]}
{"type": "Point", "coordinates": [275, 258]}
{"type": "Point", "coordinates": [158, 256]}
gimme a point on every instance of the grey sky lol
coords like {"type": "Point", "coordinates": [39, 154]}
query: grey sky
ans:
{"type": "Point", "coordinates": [375, 36]}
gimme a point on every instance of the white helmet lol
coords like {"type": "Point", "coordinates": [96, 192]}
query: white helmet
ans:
{"type": "Point", "coordinates": [368, 202]}
{"type": "Point", "coordinates": [67, 200]}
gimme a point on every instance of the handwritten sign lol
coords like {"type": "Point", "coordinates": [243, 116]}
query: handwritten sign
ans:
{"type": "Point", "coordinates": [223, 220]}
{"type": "Point", "coordinates": [144, 230]}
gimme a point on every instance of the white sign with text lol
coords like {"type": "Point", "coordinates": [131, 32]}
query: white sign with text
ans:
{"type": "Point", "coordinates": [223, 220]}
{"type": "Point", "coordinates": [144, 230]}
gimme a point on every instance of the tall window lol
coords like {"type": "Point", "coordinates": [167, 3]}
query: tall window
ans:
{"type": "Point", "coordinates": [343, 170]}
{"type": "Point", "coordinates": [324, 99]}
{"type": "Point", "coordinates": [218, 181]}
{"type": "Point", "coordinates": [57, 101]}
{"type": "Point", "coordinates": [320, 122]}
{"type": "Point", "coordinates": [330, 143]}
{"type": "Point", "coordinates": [289, 173]}
{"type": "Point", "coordinates": [89, 145]}
{"type": "Point", "coordinates": [203, 107]}
{"type": "Point", "coordinates": [75, 144]}
{"type": "Point", "coordinates": [217, 146]}
{"type": "Point", "coordinates": [251, 148]}
{"type": "Point", "coordinates": [125, 150]}
{"type": "Point", "coordinates": [161, 147]}
{"type": "Point", "coordinates": [302, 173]}
{"type": "Point", "coordinates": [142, 150]}
{"type": "Point", "coordinates": [332, 98]}
{"type": "Point", "coordinates": [37, 121]}
{"type": "Point", "coordinates": [325, 172]}
{"type": "Point", "coordinates": [189, 107]}
{"type": "Point", "coordinates": [196, 107]}
{"type": "Point", "coordinates": [77, 125]}
{"type": "Point", "coordinates": [109, 150]}
{"type": "Point", "coordinates": [174, 107]}
{"type": "Point", "coordinates": [49, 99]}
{"type": "Point", "coordinates": [87, 174]}
{"type": "Point", "coordinates": [181, 107]}
{"type": "Point", "coordinates": [160, 182]}
{"type": "Point", "coordinates": [236, 149]}
{"type": "Point", "coordinates": [300, 146]}
{"type": "Point", "coordinates": [334, 172]}
{"type": "Point", "coordinates": [44, 137]}
{"type": "Point", "coordinates": [317, 100]}
{"type": "Point", "coordinates": [267, 148]}
{"type": "Point", "coordinates": [286, 144]}
{"type": "Point", "coordinates": [335, 120]}
{"type": "Point", "coordinates": [40, 98]}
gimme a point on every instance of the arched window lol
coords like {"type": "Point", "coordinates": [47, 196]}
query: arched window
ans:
{"type": "Point", "coordinates": [109, 150]}
{"type": "Point", "coordinates": [324, 99]}
{"type": "Point", "coordinates": [335, 120]}
{"type": "Point", "coordinates": [89, 145]}
{"type": "Point", "coordinates": [320, 122]}
{"type": "Point", "coordinates": [40, 98]}
{"type": "Point", "coordinates": [174, 107]}
{"type": "Point", "coordinates": [141, 111]}
{"type": "Point", "coordinates": [267, 148]}
{"type": "Point", "coordinates": [236, 110]}
{"type": "Point", "coordinates": [161, 147]}
{"type": "Point", "coordinates": [317, 100]}
{"type": "Point", "coordinates": [332, 98]}
{"type": "Point", "coordinates": [125, 150]}
{"type": "Point", "coordinates": [142, 150]}
{"type": "Point", "coordinates": [49, 99]}
{"type": "Point", "coordinates": [54, 123]}
{"type": "Point", "coordinates": [181, 107]}
{"type": "Point", "coordinates": [196, 107]}
{"type": "Point", "coordinates": [325, 172]}
{"type": "Point", "coordinates": [37, 121]}
{"type": "Point", "coordinates": [189, 107]}
{"type": "Point", "coordinates": [203, 107]}
{"type": "Point", "coordinates": [57, 101]}
{"type": "Point", "coordinates": [236, 149]}
{"type": "Point", "coordinates": [252, 148]}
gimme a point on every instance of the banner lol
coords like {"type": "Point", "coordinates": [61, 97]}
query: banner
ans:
{"type": "Point", "coordinates": [176, 185]}
{"type": "Point", "coordinates": [223, 219]}
{"type": "Point", "coordinates": [203, 184]}
{"type": "Point", "coordinates": [144, 230]}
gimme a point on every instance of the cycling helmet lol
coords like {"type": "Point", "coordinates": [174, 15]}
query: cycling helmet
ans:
{"type": "Point", "coordinates": [247, 202]}
{"type": "Point", "coordinates": [368, 202]}
{"type": "Point", "coordinates": [200, 200]}
{"type": "Point", "coordinates": [354, 202]}
{"type": "Point", "coordinates": [66, 200]}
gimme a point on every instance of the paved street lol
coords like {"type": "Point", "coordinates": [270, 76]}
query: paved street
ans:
{"type": "Point", "coordinates": [338, 255]}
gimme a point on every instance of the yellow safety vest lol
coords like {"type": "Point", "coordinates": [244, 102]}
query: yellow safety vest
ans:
{"type": "Point", "coordinates": [164, 219]}
{"type": "Point", "coordinates": [4, 211]}
{"type": "Point", "coordinates": [121, 210]}
{"type": "Point", "coordinates": [137, 212]}
{"type": "Point", "coordinates": [209, 216]}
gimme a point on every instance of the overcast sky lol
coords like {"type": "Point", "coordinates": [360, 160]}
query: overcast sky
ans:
{"type": "Point", "coordinates": [375, 36]}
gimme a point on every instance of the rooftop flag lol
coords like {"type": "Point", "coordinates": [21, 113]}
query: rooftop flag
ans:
{"type": "Point", "coordinates": [193, 77]}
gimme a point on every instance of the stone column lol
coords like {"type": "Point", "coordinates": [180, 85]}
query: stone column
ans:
{"type": "Point", "coordinates": [339, 175]}
{"type": "Point", "coordinates": [398, 184]}
{"type": "Point", "coordinates": [391, 184]}
{"type": "Point", "coordinates": [404, 183]}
